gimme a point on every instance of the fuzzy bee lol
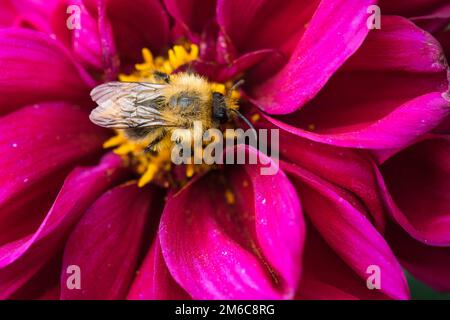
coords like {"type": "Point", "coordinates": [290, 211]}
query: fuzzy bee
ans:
{"type": "Point", "coordinates": [151, 111]}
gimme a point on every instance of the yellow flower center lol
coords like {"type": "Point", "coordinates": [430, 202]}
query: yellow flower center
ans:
{"type": "Point", "coordinates": [150, 166]}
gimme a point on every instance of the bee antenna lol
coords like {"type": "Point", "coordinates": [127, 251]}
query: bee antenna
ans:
{"type": "Point", "coordinates": [235, 86]}
{"type": "Point", "coordinates": [189, 69]}
{"type": "Point", "coordinates": [240, 115]}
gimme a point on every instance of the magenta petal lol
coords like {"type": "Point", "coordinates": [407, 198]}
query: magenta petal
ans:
{"type": "Point", "coordinates": [444, 39]}
{"type": "Point", "coordinates": [85, 42]}
{"type": "Point", "coordinates": [34, 14]}
{"type": "Point", "coordinates": [347, 168]}
{"type": "Point", "coordinates": [434, 21]}
{"type": "Point", "coordinates": [153, 281]}
{"type": "Point", "coordinates": [226, 72]}
{"type": "Point", "coordinates": [106, 242]}
{"type": "Point", "coordinates": [415, 185]}
{"type": "Point", "coordinates": [148, 27]}
{"type": "Point", "coordinates": [192, 15]}
{"type": "Point", "coordinates": [400, 46]}
{"type": "Point", "coordinates": [44, 285]}
{"type": "Point", "coordinates": [409, 7]}
{"type": "Point", "coordinates": [320, 281]}
{"type": "Point", "coordinates": [247, 61]}
{"type": "Point", "coordinates": [8, 14]}
{"type": "Point", "coordinates": [344, 226]}
{"type": "Point", "coordinates": [278, 218]}
{"type": "Point", "coordinates": [21, 259]}
{"type": "Point", "coordinates": [426, 263]}
{"type": "Point", "coordinates": [262, 24]}
{"type": "Point", "coordinates": [397, 129]}
{"type": "Point", "coordinates": [40, 140]}
{"type": "Point", "coordinates": [248, 250]}
{"type": "Point", "coordinates": [341, 28]}
{"type": "Point", "coordinates": [37, 68]}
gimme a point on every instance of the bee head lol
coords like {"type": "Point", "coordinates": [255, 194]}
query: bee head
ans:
{"type": "Point", "coordinates": [220, 110]}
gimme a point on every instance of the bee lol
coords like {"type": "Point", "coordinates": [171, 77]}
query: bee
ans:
{"type": "Point", "coordinates": [151, 111]}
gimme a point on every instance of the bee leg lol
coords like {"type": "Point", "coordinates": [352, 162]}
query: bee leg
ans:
{"type": "Point", "coordinates": [150, 148]}
{"type": "Point", "coordinates": [161, 76]}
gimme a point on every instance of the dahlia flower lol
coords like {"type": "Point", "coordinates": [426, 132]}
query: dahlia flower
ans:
{"type": "Point", "coordinates": [364, 152]}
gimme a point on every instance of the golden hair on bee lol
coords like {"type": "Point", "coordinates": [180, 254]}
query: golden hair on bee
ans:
{"type": "Point", "coordinates": [151, 111]}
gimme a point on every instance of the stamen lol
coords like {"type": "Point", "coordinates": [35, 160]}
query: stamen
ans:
{"type": "Point", "coordinates": [255, 117]}
{"type": "Point", "coordinates": [189, 170]}
{"type": "Point", "coordinates": [229, 196]}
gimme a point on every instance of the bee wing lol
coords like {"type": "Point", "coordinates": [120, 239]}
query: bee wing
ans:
{"type": "Point", "coordinates": [123, 105]}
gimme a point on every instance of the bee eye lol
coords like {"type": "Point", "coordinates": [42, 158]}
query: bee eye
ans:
{"type": "Point", "coordinates": [181, 101]}
{"type": "Point", "coordinates": [184, 101]}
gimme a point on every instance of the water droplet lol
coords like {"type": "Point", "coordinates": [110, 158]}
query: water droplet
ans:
{"type": "Point", "coordinates": [25, 180]}
{"type": "Point", "coordinates": [263, 201]}
{"type": "Point", "coordinates": [14, 145]}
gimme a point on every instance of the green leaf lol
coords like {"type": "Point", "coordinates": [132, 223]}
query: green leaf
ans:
{"type": "Point", "coordinates": [420, 291]}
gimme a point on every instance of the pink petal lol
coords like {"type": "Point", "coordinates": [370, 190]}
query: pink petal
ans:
{"type": "Point", "coordinates": [377, 122]}
{"type": "Point", "coordinates": [262, 24]}
{"type": "Point", "coordinates": [409, 7]}
{"type": "Point", "coordinates": [41, 140]}
{"type": "Point", "coordinates": [44, 285]}
{"type": "Point", "coordinates": [225, 72]}
{"type": "Point", "coordinates": [426, 263]}
{"type": "Point", "coordinates": [435, 21]}
{"type": "Point", "coordinates": [51, 294]}
{"type": "Point", "coordinates": [37, 68]}
{"type": "Point", "coordinates": [347, 168]}
{"type": "Point", "coordinates": [153, 281]}
{"type": "Point", "coordinates": [280, 232]}
{"type": "Point", "coordinates": [148, 27]}
{"type": "Point", "coordinates": [327, 277]}
{"type": "Point", "coordinates": [21, 259]}
{"type": "Point", "coordinates": [34, 14]}
{"type": "Point", "coordinates": [7, 14]}
{"type": "Point", "coordinates": [341, 28]}
{"type": "Point", "coordinates": [247, 250]}
{"type": "Point", "coordinates": [444, 39]}
{"type": "Point", "coordinates": [343, 224]}
{"type": "Point", "coordinates": [401, 46]}
{"type": "Point", "coordinates": [415, 184]}
{"type": "Point", "coordinates": [106, 242]}
{"type": "Point", "coordinates": [85, 42]}
{"type": "Point", "coordinates": [192, 15]}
